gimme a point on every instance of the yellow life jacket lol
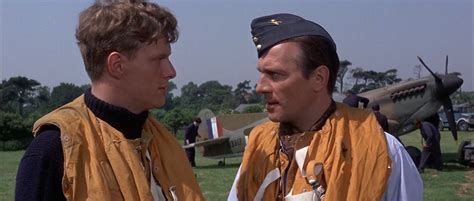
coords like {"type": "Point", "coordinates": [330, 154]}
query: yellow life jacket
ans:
{"type": "Point", "coordinates": [101, 164]}
{"type": "Point", "coordinates": [351, 147]}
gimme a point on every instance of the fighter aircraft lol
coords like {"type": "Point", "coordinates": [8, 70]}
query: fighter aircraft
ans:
{"type": "Point", "coordinates": [225, 136]}
{"type": "Point", "coordinates": [406, 102]}
{"type": "Point", "coordinates": [402, 103]}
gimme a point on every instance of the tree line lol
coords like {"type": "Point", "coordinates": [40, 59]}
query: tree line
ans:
{"type": "Point", "coordinates": [24, 100]}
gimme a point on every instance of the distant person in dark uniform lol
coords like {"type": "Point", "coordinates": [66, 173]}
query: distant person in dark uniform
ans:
{"type": "Point", "coordinates": [353, 99]}
{"type": "Point", "coordinates": [190, 137]}
{"type": "Point", "coordinates": [434, 119]}
{"type": "Point", "coordinates": [381, 118]}
{"type": "Point", "coordinates": [431, 154]}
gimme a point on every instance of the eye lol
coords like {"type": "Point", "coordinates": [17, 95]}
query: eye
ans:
{"type": "Point", "coordinates": [162, 58]}
{"type": "Point", "coordinates": [275, 76]}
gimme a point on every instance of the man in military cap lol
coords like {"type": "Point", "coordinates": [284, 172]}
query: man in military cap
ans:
{"type": "Point", "coordinates": [353, 100]}
{"type": "Point", "coordinates": [314, 148]}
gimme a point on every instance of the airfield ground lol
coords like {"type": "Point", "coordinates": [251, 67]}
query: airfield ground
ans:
{"type": "Point", "coordinates": [455, 182]}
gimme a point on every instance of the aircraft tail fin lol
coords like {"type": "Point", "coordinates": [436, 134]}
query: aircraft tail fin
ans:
{"type": "Point", "coordinates": [214, 128]}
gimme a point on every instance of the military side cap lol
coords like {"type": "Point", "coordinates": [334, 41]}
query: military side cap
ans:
{"type": "Point", "coordinates": [269, 30]}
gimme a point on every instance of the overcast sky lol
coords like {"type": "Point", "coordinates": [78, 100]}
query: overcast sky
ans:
{"type": "Point", "coordinates": [37, 37]}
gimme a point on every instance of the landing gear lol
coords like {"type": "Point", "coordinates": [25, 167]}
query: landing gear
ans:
{"type": "Point", "coordinates": [466, 153]}
{"type": "Point", "coordinates": [221, 163]}
{"type": "Point", "coordinates": [463, 125]}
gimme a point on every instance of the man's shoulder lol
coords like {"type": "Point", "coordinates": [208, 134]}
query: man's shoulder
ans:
{"type": "Point", "coordinates": [47, 145]}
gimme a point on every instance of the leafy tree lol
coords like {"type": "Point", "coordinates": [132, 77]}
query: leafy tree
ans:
{"type": "Point", "coordinates": [256, 97]}
{"type": "Point", "coordinates": [176, 118]}
{"type": "Point", "coordinates": [64, 93]}
{"type": "Point", "coordinates": [85, 87]}
{"type": "Point", "coordinates": [242, 92]}
{"type": "Point", "coordinates": [463, 97]}
{"type": "Point", "coordinates": [39, 101]}
{"type": "Point", "coordinates": [189, 97]}
{"type": "Point", "coordinates": [368, 80]}
{"type": "Point", "coordinates": [417, 71]}
{"type": "Point", "coordinates": [170, 96]}
{"type": "Point", "coordinates": [216, 97]}
{"type": "Point", "coordinates": [158, 113]}
{"type": "Point", "coordinates": [343, 68]}
{"type": "Point", "coordinates": [13, 127]}
{"type": "Point", "coordinates": [211, 94]}
{"type": "Point", "coordinates": [17, 93]}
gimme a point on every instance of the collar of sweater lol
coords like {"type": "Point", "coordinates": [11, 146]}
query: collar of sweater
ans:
{"type": "Point", "coordinates": [128, 123]}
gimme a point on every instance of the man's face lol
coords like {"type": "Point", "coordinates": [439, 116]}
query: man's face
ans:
{"type": "Point", "coordinates": [287, 93]}
{"type": "Point", "coordinates": [147, 74]}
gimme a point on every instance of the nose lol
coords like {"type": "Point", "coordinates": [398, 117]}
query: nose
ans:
{"type": "Point", "coordinates": [262, 85]}
{"type": "Point", "coordinates": [169, 70]}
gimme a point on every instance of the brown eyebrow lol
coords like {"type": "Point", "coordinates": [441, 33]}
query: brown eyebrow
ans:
{"type": "Point", "coordinates": [160, 56]}
{"type": "Point", "coordinates": [267, 71]}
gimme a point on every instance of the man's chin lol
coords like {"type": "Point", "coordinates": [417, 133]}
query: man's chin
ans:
{"type": "Point", "coordinates": [159, 104]}
{"type": "Point", "coordinates": [274, 117]}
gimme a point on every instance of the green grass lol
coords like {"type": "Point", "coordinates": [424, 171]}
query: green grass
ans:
{"type": "Point", "coordinates": [455, 182]}
{"type": "Point", "coordinates": [215, 181]}
{"type": "Point", "coordinates": [9, 161]}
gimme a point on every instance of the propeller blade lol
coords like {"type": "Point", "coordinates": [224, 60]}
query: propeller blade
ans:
{"type": "Point", "coordinates": [446, 66]}
{"type": "Point", "coordinates": [434, 75]}
{"type": "Point", "coordinates": [448, 110]}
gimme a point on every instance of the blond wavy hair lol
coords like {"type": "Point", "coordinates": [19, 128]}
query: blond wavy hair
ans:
{"type": "Point", "coordinates": [121, 26]}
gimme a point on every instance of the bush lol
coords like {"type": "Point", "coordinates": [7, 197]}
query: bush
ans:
{"type": "Point", "coordinates": [14, 145]}
{"type": "Point", "coordinates": [253, 109]}
{"type": "Point", "coordinates": [13, 126]}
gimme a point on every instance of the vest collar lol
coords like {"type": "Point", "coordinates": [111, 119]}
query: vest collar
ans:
{"type": "Point", "coordinates": [128, 123]}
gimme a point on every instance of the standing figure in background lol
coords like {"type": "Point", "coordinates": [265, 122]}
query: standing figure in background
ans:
{"type": "Point", "coordinates": [431, 154]}
{"type": "Point", "coordinates": [353, 99]}
{"type": "Point", "coordinates": [190, 135]}
{"type": "Point", "coordinates": [381, 118]}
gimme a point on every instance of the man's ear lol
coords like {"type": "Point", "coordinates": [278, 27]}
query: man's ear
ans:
{"type": "Point", "coordinates": [115, 65]}
{"type": "Point", "coordinates": [320, 78]}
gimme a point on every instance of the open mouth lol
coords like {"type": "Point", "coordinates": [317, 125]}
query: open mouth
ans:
{"type": "Point", "coordinates": [271, 105]}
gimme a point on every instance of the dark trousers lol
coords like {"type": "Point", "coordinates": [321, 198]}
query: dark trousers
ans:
{"type": "Point", "coordinates": [431, 159]}
{"type": "Point", "coordinates": [190, 152]}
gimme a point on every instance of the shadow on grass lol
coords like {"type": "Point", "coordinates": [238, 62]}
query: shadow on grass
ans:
{"type": "Point", "coordinates": [451, 164]}
{"type": "Point", "coordinates": [216, 166]}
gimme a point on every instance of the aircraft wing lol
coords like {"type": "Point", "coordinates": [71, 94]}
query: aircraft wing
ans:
{"type": "Point", "coordinates": [210, 142]}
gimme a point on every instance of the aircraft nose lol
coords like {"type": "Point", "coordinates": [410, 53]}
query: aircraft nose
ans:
{"type": "Point", "coordinates": [451, 84]}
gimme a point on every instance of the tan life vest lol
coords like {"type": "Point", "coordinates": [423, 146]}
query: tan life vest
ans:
{"type": "Point", "coordinates": [350, 146]}
{"type": "Point", "coordinates": [101, 164]}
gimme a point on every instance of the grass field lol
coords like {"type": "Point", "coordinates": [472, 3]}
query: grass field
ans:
{"type": "Point", "coordinates": [455, 182]}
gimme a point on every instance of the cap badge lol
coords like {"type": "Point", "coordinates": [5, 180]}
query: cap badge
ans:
{"type": "Point", "coordinates": [275, 22]}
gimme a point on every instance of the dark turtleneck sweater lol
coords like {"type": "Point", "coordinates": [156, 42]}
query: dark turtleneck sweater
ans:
{"type": "Point", "coordinates": [41, 169]}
